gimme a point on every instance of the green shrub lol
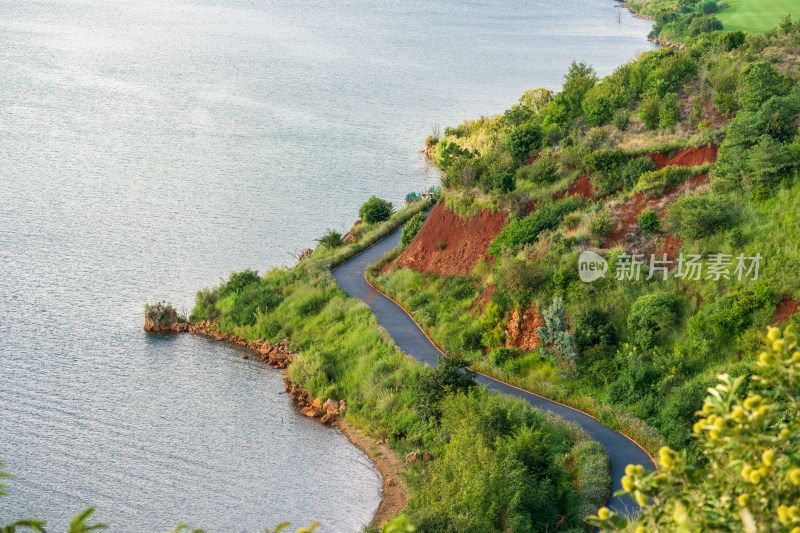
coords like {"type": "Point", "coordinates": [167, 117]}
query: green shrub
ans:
{"type": "Point", "coordinates": [450, 376]}
{"type": "Point", "coordinates": [331, 239]}
{"type": "Point", "coordinates": [600, 225]}
{"type": "Point", "coordinates": [761, 82]}
{"type": "Point", "coordinates": [412, 227]}
{"type": "Point", "coordinates": [621, 119]}
{"type": "Point", "coordinates": [238, 281]}
{"type": "Point", "coordinates": [657, 181]}
{"type": "Point", "coordinates": [522, 139]}
{"type": "Point", "coordinates": [606, 167]}
{"type": "Point", "coordinates": [498, 470]}
{"type": "Point", "coordinates": [503, 181]}
{"type": "Point", "coordinates": [668, 114]}
{"type": "Point", "coordinates": [499, 356]}
{"type": "Point", "coordinates": [543, 171]}
{"type": "Point", "coordinates": [649, 224]}
{"type": "Point", "coordinates": [578, 80]}
{"type": "Point", "coordinates": [650, 109]}
{"type": "Point", "coordinates": [694, 217]}
{"type": "Point", "coordinates": [767, 163]}
{"type": "Point", "coordinates": [527, 230]}
{"type": "Point", "coordinates": [375, 210]}
{"type": "Point", "coordinates": [635, 168]}
{"type": "Point", "coordinates": [594, 327]}
{"type": "Point", "coordinates": [651, 316]}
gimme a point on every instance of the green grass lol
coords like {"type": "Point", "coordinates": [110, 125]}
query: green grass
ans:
{"type": "Point", "coordinates": [757, 16]}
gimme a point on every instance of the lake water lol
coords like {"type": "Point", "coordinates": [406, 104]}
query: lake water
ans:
{"type": "Point", "coordinates": [148, 148]}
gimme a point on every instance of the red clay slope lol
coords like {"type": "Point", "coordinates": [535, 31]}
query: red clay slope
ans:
{"type": "Point", "coordinates": [688, 158]}
{"type": "Point", "coordinates": [465, 242]}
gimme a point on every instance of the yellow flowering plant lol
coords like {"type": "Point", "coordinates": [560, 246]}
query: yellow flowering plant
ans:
{"type": "Point", "coordinates": [751, 481]}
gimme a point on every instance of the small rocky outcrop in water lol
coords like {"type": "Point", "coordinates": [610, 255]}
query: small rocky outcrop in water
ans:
{"type": "Point", "coordinates": [160, 318]}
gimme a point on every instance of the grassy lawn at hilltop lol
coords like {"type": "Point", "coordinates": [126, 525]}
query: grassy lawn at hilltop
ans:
{"type": "Point", "coordinates": [757, 16]}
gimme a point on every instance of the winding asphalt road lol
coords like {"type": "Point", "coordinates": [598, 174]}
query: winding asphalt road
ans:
{"type": "Point", "coordinates": [409, 337]}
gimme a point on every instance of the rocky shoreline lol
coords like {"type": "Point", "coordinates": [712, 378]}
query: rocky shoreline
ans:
{"type": "Point", "coordinates": [394, 494]}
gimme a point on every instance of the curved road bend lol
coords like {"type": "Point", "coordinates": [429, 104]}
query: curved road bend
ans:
{"type": "Point", "coordinates": [410, 338]}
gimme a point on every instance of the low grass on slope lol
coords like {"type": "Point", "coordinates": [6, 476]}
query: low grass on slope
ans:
{"type": "Point", "coordinates": [757, 16]}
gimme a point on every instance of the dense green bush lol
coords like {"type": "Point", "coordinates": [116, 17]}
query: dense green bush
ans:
{"type": "Point", "coordinates": [650, 109]}
{"type": "Point", "coordinates": [760, 82]}
{"type": "Point", "coordinates": [648, 222]}
{"type": "Point", "coordinates": [448, 377]}
{"type": "Point", "coordinates": [621, 119]}
{"type": "Point", "coordinates": [635, 168]}
{"type": "Point", "coordinates": [606, 167]}
{"type": "Point", "coordinates": [668, 114]}
{"type": "Point", "coordinates": [527, 230]}
{"type": "Point", "coordinates": [594, 327]}
{"type": "Point", "coordinates": [577, 81]}
{"type": "Point", "coordinates": [652, 316]}
{"type": "Point", "coordinates": [497, 472]}
{"type": "Point", "coordinates": [375, 210]}
{"type": "Point", "coordinates": [331, 239]}
{"type": "Point", "coordinates": [412, 227]}
{"type": "Point", "coordinates": [600, 225]}
{"type": "Point", "coordinates": [500, 356]}
{"type": "Point", "coordinates": [657, 181]}
{"type": "Point", "coordinates": [522, 139]}
{"type": "Point", "coordinates": [543, 171]}
{"type": "Point", "coordinates": [694, 217]}
{"type": "Point", "coordinates": [238, 281]}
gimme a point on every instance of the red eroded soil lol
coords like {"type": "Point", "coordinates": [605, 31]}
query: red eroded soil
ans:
{"type": "Point", "coordinates": [786, 308]}
{"type": "Point", "coordinates": [672, 247]}
{"type": "Point", "coordinates": [581, 187]}
{"type": "Point", "coordinates": [688, 158]}
{"type": "Point", "coordinates": [465, 242]}
{"type": "Point", "coordinates": [521, 330]}
{"type": "Point", "coordinates": [626, 214]}
{"type": "Point", "coordinates": [625, 219]}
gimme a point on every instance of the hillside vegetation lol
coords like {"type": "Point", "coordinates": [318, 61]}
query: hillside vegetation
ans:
{"type": "Point", "coordinates": [497, 464]}
{"type": "Point", "coordinates": [628, 165]}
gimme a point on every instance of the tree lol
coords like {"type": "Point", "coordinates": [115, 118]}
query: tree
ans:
{"type": "Point", "coordinates": [375, 210]}
{"type": "Point", "coordinates": [577, 81]}
{"type": "Point", "coordinates": [556, 333]}
{"type": "Point", "coordinates": [751, 454]}
{"type": "Point", "coordinates": [760, 83]}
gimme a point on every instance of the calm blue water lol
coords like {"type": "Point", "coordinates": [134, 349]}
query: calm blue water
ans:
{"type": "Point", "coordinates": [148, 148]}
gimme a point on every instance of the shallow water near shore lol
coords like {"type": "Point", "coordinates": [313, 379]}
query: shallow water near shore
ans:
{"type": "Point", "coordinates": [148, 148]}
